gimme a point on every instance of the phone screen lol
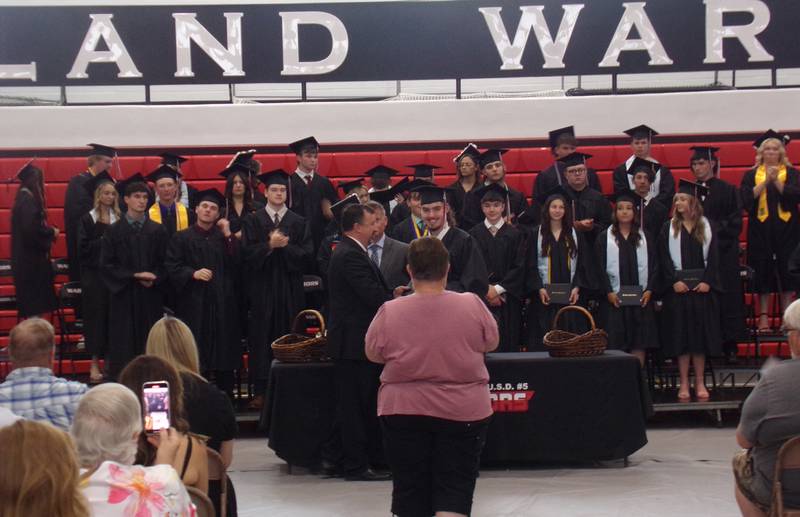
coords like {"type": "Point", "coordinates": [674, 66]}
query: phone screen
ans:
{"type": "Point", "coordinates": [156, 406]}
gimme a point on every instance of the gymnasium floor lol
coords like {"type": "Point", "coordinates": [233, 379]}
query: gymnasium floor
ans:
{"type": "Point", "coordinates": [683, 471]}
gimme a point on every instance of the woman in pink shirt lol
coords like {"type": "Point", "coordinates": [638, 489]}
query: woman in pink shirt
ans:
{"type": "Point", "coordinates": [434, 396]}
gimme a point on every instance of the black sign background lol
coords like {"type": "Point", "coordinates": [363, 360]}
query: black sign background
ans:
{"type": "Point", "coordinates": [387, 41]}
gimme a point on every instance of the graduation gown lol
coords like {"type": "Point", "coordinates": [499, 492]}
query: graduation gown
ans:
{"type": "Point", "coordinates": [467, 267]}
{"type": "Point", "coordinates": [692, 321]}
{"type": "Point", "coordinates": [722, 206]}
{"type": "Point", "coordinates": [275, 282]}
{"type": "Point", "coordinates": [133, 308]}
{"type": "Point", "coordinates": [540, 317]}
{"type": "Point", "coordinates": [77, 202]}
{"type": "Point", "coordinates": [655, 215]}
{"type": "Point", "coordinates": [235, 218]}
{"type": "Point", "coordinates": [31, 238]}
{"type": "Point", "coordinates": [770, 243]}
{"type": "Point", "coordinates": [306, 201]}
{"type": "Point", "coordinates": [457, 199]}
{"type": "Point", "coordinates": [210, 309]}
{"type": "Point", "coordinates": [169, 218]}
{"type": "Point", "coordinates": [552, 177]}
{"type": "Point", "coordinates": [629, 328]}
{"type": "Point", "coordinates": [666, 189]}
{"type": "Point", "coordinates": [400, 212]}
{"type": "Point", "coordinates": [95, 296]}
{"type": "Point", "coordinates": [505, 263]}
{"type": "Point", "coordinates": [405, 231]}
{"type": "Point", "coordinates": [591, 204]}
{"type": "Point", "coordinates": [473, 214]}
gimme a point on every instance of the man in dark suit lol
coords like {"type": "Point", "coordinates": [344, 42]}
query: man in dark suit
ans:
{"type": "Point", "coordinates": [356, 291]}
{"type": "Point", "coordinates": [387, 253]}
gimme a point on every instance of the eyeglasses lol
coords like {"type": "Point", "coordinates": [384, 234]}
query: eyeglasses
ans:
{"type": "Point", "coordinates": [577, 172]}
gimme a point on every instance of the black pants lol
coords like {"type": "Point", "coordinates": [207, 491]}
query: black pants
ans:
{"type": "Point", "coordinates": [357, 385]}
{"type": "Point", "coordinates": [434, 463]}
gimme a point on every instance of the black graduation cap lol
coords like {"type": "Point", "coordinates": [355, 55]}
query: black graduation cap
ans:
{"type": "Point", "coordinates": [135, 178]}
{"type": "Point", "coordinates": [380, 170]}
{"type": "Point", "coordinates": [95, 181]}
{"type": "Point", "coordinates": [691, 188]}
{"type": "Point", "coordinates": [164, 171]}
{"type": "Point", "coordinates": [338, 207]}
{"type": "Point", "coordinates": [26, 170]}
{"type": "Point", "coordinates": [242, 158]}
{"type": "Point", "coordinates": [640, 164]}
{"type": "Point", "coordinates": [236, 168]}
{"type": "Point", "coordinates": [555, 134]}
{"type": "Point", "coordinates": [470, 150]}
{"type": "Point", "coordinates": [491, 156]}
{"type": "Point", "coordinates": [103, 150]}
{"type": "Point", "coordinates": [771, 134]}
{"type": "Point", "coordinates": [274, 177]}
{"type": "Point", "coordinates": [213, 195]}
{"type": "Point", "coordinates": [704, 153]}
{"type": "Point", "coordinates": [384, 196]}
{"type": "Point", "coordinates": [423, 170]}
{"type": "Point", "coordinates": [573, 159]}
{"type": "Point", "coordinates": [172, 159]}
{"type": "Point", "coordinates": [491, 192]}
{"type": "Point", "coordinates": [626, 195]}
{"type": "Point", "coordinates": [349, 186]}
{"type": "Point", "coordinates": [308, 143]}
{"type": "Point", "coordinates": [557, 191]}
{"type": "Point", "coordinates": [641, 131]}
{"type": "Point", "coordinates": [431, 194]}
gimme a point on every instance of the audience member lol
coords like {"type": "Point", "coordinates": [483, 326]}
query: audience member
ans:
{"type": "Point", "coordinates": [770, 416]}
{"type": "Point", "coordinates": [433, 401]}
{"type": "Point", "coordinates": [39, 473]}
{"type": "Point", "coordinates": [107, 428]}
{"type": "Point", "coordinates": [31, 390]}
{"type": "Point", "coordinates": [190, 461]}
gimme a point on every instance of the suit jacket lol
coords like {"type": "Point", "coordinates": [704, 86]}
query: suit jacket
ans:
{"type": "Point", "coordinates": [393, 262]}
{"type": "Point", "coordinates": [356, 290]}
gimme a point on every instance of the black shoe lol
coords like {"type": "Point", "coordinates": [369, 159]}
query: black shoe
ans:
{"type": "Point", "coordinates": [369, 475]}
{"type": "Point", "coordinates": [329, 469]}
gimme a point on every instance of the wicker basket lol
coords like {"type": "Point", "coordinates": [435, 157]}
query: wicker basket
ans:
{"type": "Point", "coordinates": [298, 347]}
{"type": "Point", "coordinates": [561, 343]}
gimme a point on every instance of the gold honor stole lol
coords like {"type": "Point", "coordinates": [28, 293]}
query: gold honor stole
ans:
{"type": "Point", "coordinates": [763, 208]}
{"type": "Point", "coordinates": [425, 233]}
{"type": "Point", "coordinates": [181, 212]}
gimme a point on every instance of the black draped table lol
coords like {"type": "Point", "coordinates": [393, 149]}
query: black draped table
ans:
{"type": "Point", "coordinates": [546, 409]}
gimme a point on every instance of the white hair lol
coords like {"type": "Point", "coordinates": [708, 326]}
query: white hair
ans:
{"type": "Point", "coordinates": [791, 316]}
{"type": "Point", "coordinates": [106, 425]}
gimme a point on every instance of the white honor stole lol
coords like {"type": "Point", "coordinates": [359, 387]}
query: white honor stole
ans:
{"type": "Point", "coordinates": [112, 217]}
{"type": "Point", "coordinates": [612, 261]}
{"type": "Point", "coordinates": [543, 263]}
{"type": "Point", "coordinates": [675, 245]}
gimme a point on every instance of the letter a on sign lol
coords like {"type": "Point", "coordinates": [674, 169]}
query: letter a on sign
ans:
{"type": "Point", "coordinates": [102, 27]}
{"type": "Point", "coordinates": [635, 16]}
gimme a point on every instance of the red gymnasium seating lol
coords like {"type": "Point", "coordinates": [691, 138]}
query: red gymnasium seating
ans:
{"type": "Point", "coordinates": [202, 171]}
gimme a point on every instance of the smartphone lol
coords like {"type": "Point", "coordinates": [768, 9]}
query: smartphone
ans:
{"type": "Point", "coordinates": [156, 406]}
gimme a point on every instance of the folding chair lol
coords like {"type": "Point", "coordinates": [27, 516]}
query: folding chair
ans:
{"type": "Point", "coordinates": [217, 474]}
{"type": "Point", "coordinates": [69, 324]}
{"type": "Point", "coordinates": [201, 501]}
{"type": "Point", "coordinates": [787, 462]}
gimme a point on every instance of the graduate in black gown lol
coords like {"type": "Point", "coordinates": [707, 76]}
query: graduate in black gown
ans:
{"type": "Point", "coordinates": [95, 297]}
{"type": "Point", "coordinates": [590, 208]}
{"type": "Point", "coordinates": [202, 264]}
{"type": "Point", "coordinates": [494, 171]}
{"type": "Point", "coordinates": [277, 250]}
{"type": "Point", "coordinates": [770, 194]}
{"type": "Point", "coordinates": [31, 239]}
{"type": "Point", "coordinates": [722, 206]}
{"type": "Point", "coordinates": [652, 214]}
{"type": "Point", "coordinates": [663, 185]}
{"type": "Point", "coordinates": [689, 261]}
{"type": "Point", "coordinates": [627, 260]}
{"type": "Point", "coordinates": [168, 209]}
{"type": "Point", "coordinates": [77, 202]}
{"type": "Point", "coordinates": [501, 246]}
{"type": "Point", "coordinates": [468, 178]}
{"type": "Point", "coordinates": [467, 267]}
{"type": "Point", "coordinates": [556, 254]}
{"type": "Point", "coordinates": [312, 194]}
{"type": "Point", "coordinates": [132, 262]}
{"type": "Point", "coordinates": [413, 226]}
{"type": "Point", "coordinates": [349, 188]}
{"type": "Point", "coordinates": [562, 143]}
{"type": "Point", "coordinates": [185, 191]}
{"type": "Point", "coordinates": [380, 179]}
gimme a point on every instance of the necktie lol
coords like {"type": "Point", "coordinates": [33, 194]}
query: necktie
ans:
{"type": "Point", "coordinates": [308, 180]}
{"type": "Point", "coordinates": [420, 225]}
{"type": "Point", "coordinates": [373, 254]}
{"type": "Point", "coordinates": [493, 230]}
{"type": "Point", "coordinates": [137, 225]}
{"type": "Point", "coordinates": [277, 219]}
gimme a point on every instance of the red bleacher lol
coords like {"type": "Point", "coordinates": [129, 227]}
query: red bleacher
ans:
{"type": "Point", "coordinates": [202, 171]}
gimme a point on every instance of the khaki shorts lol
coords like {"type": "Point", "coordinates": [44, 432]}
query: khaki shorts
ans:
{"type": "Point", "coordinates": [743, 473]}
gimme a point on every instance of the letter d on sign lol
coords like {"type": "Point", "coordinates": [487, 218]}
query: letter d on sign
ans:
{"type": "Point", "coordinates": [291, 43]}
